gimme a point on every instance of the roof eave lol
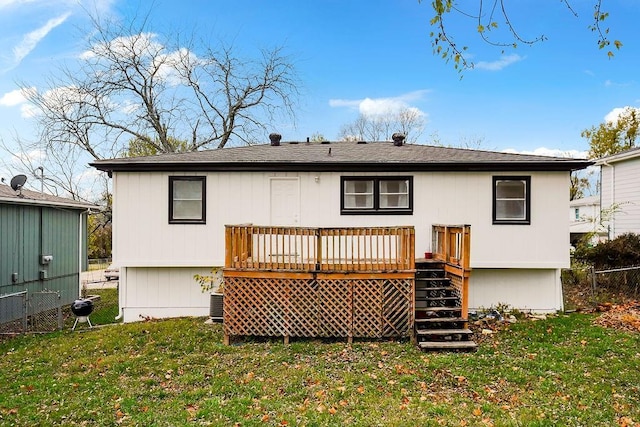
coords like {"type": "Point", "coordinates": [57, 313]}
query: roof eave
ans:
{"type": "Point", "coordinates": [618, 157]}
{"type": "Point", "coordinates": [26, 201]}
{"type": "Point", "coordinates": [341, 166]}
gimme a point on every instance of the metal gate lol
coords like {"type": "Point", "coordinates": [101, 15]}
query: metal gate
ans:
{"type": "Point", "coordinates": [21, 312]}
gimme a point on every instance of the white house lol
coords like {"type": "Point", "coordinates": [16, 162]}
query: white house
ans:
{"type": "Point", "coordinates": [620, 191]}
{"type": "Point", "coordinates": [170, 210]}
{"type": "Point", "coordinates": [584, 219]}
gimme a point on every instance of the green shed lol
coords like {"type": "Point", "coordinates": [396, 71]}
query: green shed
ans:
{"type": "Point", "coordinates": [43, 243]}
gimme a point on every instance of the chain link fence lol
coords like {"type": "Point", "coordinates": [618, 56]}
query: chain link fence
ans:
{"type": "Point", "coordinates": [37, 312]}
{"type": "Point", "coordinates": [13, 313]}
{"type": "Point", "coordinates": [586, 288]}
{"type": "Point", "coordinates": [41, 312]}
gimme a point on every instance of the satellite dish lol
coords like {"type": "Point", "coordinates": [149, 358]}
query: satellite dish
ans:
{"type": "Point", "coordinates": [17, 182]}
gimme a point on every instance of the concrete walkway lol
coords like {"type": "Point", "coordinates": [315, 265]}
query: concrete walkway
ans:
{"type": "Point", "coordinates": [95, 280]}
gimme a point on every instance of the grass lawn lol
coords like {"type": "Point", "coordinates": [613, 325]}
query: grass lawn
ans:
{"type": "Point", "coordinates": [561, 371]}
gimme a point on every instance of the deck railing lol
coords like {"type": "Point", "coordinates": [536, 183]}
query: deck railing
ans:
{"type": "Point", "coordinates": [344, 249]}
{"type": "Point", "coordinates": [452, 245]}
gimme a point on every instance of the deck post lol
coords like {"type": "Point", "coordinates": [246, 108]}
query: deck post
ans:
{"type": "Point", "coordinates": [227, 247]}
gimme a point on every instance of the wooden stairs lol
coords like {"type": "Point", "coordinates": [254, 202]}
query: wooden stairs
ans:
{"type": "Point", "coordinates": [439, 325]}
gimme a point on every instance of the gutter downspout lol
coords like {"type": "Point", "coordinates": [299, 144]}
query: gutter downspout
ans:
{"type": "Point", "coordinates": [81, 233]}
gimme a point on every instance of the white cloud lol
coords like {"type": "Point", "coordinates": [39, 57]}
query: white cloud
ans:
{"type": "Point", "coordinates": [142, 44]}
{"type": "Point", "coordinates": [31, 40]}
{"type": "Point", "coordinates": [500, 64]}
{"type": "Point", "coordinates": [382, 106]}
{"type": "Point", "coordinates": [30, 157]}
{"type": "Point", "coordinates": [8, 3]}
{"type": "Point", "coordinates": [15, 97]}
{"type": "Point", "coordinates": [612, 116]}
{"type": "Point", "coordinates": [28, 111]}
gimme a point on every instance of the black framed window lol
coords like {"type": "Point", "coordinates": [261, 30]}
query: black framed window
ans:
{"type": "Point", "coordinates": [388, 195]}
{"type": "Point", "coordinates": [187, 199]}
{"type": "Point", "coordinates": [512, 200]}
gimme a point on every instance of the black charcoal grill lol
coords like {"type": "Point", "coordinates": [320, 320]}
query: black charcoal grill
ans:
{"type": "Point", "coordinates": [82, 308]}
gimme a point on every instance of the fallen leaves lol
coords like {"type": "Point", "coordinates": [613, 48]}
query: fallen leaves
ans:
{"type": "Point", "coordinates": [620, 316]}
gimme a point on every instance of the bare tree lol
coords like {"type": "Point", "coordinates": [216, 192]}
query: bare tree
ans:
{"type": "Point", "coordinates": [62, 172]}
{"type": "Point", "coordinates": [380, 127]}
{"type": "Point", "coordinates": [130, 83]}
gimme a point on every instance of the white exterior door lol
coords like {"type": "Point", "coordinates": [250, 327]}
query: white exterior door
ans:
{"type": "Point", "coordinates": [285, 201]}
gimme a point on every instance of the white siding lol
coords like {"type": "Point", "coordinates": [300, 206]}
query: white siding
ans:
{"type": "Point", "coordinates": [145, 238]}
{"type": "Point", "coordinates": [589, 209]}
{"type": "Point", "coordinates": [162, 292]}
{"type": "Point", "coordinates": [624, 193]}
{"type": "Point", "coordinates": [145, 241]}
{"type": "Point", "coordinates": [537, 290]}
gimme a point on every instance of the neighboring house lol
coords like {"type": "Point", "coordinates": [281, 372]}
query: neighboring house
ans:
{"type": "Point", "coordinates": [584, 219]}
{"type": "Point", "coordinates": [170, 212]}
{"type": "Point", "coordinates": [43, 243]}
{"type": "Point", "coordinates": [620, 192]}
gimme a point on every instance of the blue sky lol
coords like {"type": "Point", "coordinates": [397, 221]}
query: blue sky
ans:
{"type": "Point", "coordinates": [361, 55]}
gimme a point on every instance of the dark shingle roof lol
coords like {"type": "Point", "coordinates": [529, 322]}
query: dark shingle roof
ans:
{"type": "Point", "coordinates": [8, 195]}
{"type": "Point", "coordinates": [341, 156]}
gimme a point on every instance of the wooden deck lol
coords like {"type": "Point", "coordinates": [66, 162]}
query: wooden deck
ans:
{"type": "Point", "coordinates": [330, 282]}
{"type": "Point", "coordinates": [319, 282]}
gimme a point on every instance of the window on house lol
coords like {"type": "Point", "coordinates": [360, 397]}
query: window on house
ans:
{"type": "Point", "coordinates": [187, 199]}
{"type": "Point", "coordinates": [377, 195]}
{"type": "Point", "coordinates": [577, 213]}
{"type": "Point", "coordinates": [512, 200]}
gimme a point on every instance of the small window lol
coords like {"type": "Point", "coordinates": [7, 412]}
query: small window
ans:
{"type": "Point", "coordinates": [511, 200]}
{"type": "Point", "coordinates": [377, 195]}
{"type": "Point", "coordinates": [187, 199]}
{"type": "Point", "coordinates": [577, 213]}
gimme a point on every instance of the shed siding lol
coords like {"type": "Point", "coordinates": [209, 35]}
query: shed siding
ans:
{"type": "Point", "coordinates": [31, 231]}
{"type": "Point", "coordinates": [19, 246]}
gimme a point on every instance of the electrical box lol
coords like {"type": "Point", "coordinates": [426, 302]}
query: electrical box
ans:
{"type": "Point", "coordinates": [46, 259]}
{"type": "Point", "coordinates": [14, 277]}
{"type": "Point", "coordinates": [43, 275]}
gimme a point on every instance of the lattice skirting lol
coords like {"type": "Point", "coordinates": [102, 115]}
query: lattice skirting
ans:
{"type": "Point", "coordinates": [318, 305]}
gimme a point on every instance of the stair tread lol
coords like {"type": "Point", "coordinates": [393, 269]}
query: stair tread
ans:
{"type": "Point", "coordinates": [447, 344]}
{"type": "Point", "coordinates": [436, 298]}
{"type": "Point", "coordinates": [463, 331]}
{"type": "Point", "coordinates": [432, 285]}
{"type": "Point", "coordinates": [438, 309]}
{"type": "Point", "coordinates": [441, 319]}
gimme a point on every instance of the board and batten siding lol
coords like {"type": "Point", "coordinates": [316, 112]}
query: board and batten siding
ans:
{"type": "Point", "coordinates": [535, 290]}
{"type": "Point", "coordinates": [621, 187]}
{"type": "Point", "coordinates": [29, 231]}
{"type": "Point", "coordinates": [146, 245]}
{"type": "Point", "coordinates": [161, 292]}
{"type": "Point", "coordinates": [143, 236]}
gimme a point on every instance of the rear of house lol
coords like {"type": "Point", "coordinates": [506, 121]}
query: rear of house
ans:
{"type": "Point", "coordinates": [170, 213]}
